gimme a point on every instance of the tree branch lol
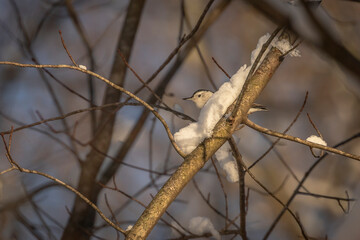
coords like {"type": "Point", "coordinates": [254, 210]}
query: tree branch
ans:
{"type": "Point", "coordinates": [196, 159]}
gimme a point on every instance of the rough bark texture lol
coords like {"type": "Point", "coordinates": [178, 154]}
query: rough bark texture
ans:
{"type": "Point", "coordinates": [196, 160]}
{"type": "Point", "coordinates": [160, 90]}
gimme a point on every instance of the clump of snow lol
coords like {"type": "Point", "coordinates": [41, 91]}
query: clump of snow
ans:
{"type": "Point", "coordinates": [227, 162]}
{"type": "Point", "coordinates": [284, 46]}
{"type": "Point", "coordinates": [189, 137]}
{"type": "Point", "coordinates": [192, 135]}
{"type": "Point", "coordinates": [316, 139]}
{"type": "Point", "coordinates": [129, 228]}
{"type": "Point", "coordinates": [83, 67]}
{"type": "Point", "coordinates": [201, 225]}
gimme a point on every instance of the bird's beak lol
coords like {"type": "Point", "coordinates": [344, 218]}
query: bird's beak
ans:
{"type": "Point", "coordinates": [188, 98]}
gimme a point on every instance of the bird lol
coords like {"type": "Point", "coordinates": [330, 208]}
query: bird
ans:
{"type": "Point", "coordinates": [201, 96]}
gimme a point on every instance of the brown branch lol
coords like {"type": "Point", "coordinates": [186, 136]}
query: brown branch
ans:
{"type": "Point", "coordinates": [207, 201]}
{"type": "Point", "coordinates": [298, 140]}
{"type": "Point", "coordinates": [285, 131]}
{"type": "Point", "coordinates": [140, 79]}
{"type": "Point", "coordinates": [320, 135]}
{"type": "Point", "coordinates": [145, 104]}
{"type": "Point", "coordinates": [223, 190]}
{"type": "Point", "coordinates": [75, 19]}
{"type": "Point", "coordinates": [66, 49]}
{"type": "Point", "coordinates": [221, 68]}
{"type": "Point", "coordinates": [237, 111]}
{"type": "Point", "coordinates": [314, 126]}
{"type": "Point", "coordinates": [115, 188]}
{"type": "Point", "coordinates": [184, 16]}
{"type": "Point", "coordinates": [160, 89]}
{"type": "Point", "coordinates": [242, 197]}
{"type": "Point", "coordinates": [67, 186]}
{"type": "Point", "coordinates": [285, 207]}
{"type": "Point", "coordinates": [182, 42]}
{"type": "Point", "coordinates": [27, 47]}
{"type": "Point", "coordinates": [122, 152]}
{"type": "Point", "coordinates": [315, 195]}
{"type": "Point", "coordinates": [25, 126]}
{"type": "Point", "coordinates": [306, 175]}
{"type": "Point", "coordinates": [196, 159]}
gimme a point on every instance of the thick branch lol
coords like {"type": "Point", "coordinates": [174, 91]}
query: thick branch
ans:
{"type": "Point", "coordinates": [196, 160]}
{"type": "Point", "coordinates": [82, 217]}
{"type": "Point", "coordinates": [212, 16]}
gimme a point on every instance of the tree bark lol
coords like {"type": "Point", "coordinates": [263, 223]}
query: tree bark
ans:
{"type": "Point", "coordinates": [82, 217]}
{"type": "Point", "coordinates": [197, 159]}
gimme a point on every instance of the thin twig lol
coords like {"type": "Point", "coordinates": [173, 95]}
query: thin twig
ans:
{"type": "Point", "coordinates": [206, 68]}
{"type": "Point", "coordinates": [285, 131]}
{"type": "Point", "coordinates": [223, 190]}
{"type": "Point", "coordinates": [145, 104]}
{"type": "Point", "coordinates": [85, 199]}
{"type": "Point", "coordinates": [306, 175]}
{"type": "Point", "coordinates": [78, 26]}
{"type": "Point", "coordinates": [298, 140]}
{"type": "Point", "coordinates": [253, 68]}
{"type": "Point", "coordinates": [286, 208]}
{"type": "Point", "coordinates": [207, 201]}
{"type": "Point", "coordinates": [67, 51]}
{"type": "Point", "coordinates": [242, 197]}
{"type": "Point", "coordinates": [221, 68]}
{"type": "Point", "coordinates": [327, 196]}
{"type": "Point", "coordinates": [140, 79]}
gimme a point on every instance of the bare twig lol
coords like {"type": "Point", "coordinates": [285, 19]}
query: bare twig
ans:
{"type": "Point", "coordinates": [67, 51]}
{"type": "Point", "coordinates": [140, 79]}
{"type": "Point", "coordinates": [242, 197]}
{"type": "Point", "coordinates": [320, 135]}
{"type": "Point", "coordinates": [298, 140]}
{"type": "Point", "coordinates": [171, 137]}
{"type": "Point", "coordinates": [221, 68]}
{"type": "Point", "coordinates": [75, 19]}
{"type": "Point", "coordinates": [198, 157]}
{"type": "Point", "coordinates": [207, 201]}
{"type": "Point", "coordinates": [85, 199]}
{"type": "Point", "coordinates": [306, 175]}
{"type": "Point", "coordinates": [206, 68]}
{"type": "Point", "coordinates": [285, 131]}
{"type": "Point", "coordinates": [347, 199]}
{"type": "Point", "coordinates": [223, 190]}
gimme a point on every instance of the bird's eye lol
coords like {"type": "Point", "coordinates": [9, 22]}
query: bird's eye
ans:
{"type": "Point", "coordinates": [199, 95]}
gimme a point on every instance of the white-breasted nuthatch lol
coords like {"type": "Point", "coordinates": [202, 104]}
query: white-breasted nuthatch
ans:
{"type": "Point", "coordinates": [201, 96]}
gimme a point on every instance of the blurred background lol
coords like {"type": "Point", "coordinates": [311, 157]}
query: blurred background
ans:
{"type": "Point", "coordinates": [34, 208]}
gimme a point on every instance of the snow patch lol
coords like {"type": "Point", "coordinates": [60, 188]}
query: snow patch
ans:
{"type": "Point", "coordinates": [316, 139]}
{"type": "Point", "coordinates": [284, 46]}
{"type": "Point", "coordinates": [227, 162]}
{"type": "Point", "coordinates": [202, 225]}
{"type": "Point", "coordinates": [83, 67]}
{"type": "Point", "coordinates": [189, 137]}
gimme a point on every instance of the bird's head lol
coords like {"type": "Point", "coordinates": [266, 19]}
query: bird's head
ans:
{"type": "Point", "coordinates": [200, 97]}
